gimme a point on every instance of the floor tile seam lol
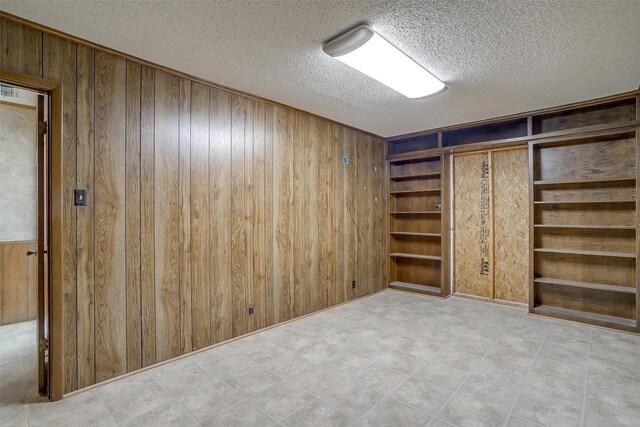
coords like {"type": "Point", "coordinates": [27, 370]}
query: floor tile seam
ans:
{"type": "Point", "coordinates": [175, 400]}
{"type": "Point", "coordinates": [455, 391]}
{"type": "Point", "coordinates": [171, 398]}
{"type": "Point", "coordinates": [529, 370]}
{"type": "Point", "coordinates": [229, 408]}
{"type": "Point", "coordinates": [385, 396]}
{"type": "Point", "coordinates": [471, 374]}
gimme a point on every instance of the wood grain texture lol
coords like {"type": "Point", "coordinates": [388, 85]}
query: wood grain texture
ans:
{"type": "Point", "coordinates": [59, 64]}
{"type": "Point", "coordinates": [16, 271]}
{"type": "Point", "coordinates": [147, 233]}
{"type": "Point", "coordinates": [184, 225]}
{"type": "Point", "coordinates": [20, 48]}
{"type": "Point", "coordinates": [132, 226]}
{"type": "Point", "coordinates": [110, 268]}
{"type": "Point", "coordinates": [282, 244]}
{"type": "Point", "coordinates": [85, 225]}
{"type": "Point", "coordinates": [238, 212]}
{"type": "Point", "coordinates": [200, 216]}
{"type": "Point", "coordinates": [199, 206]}
{"type": "Point", "coordinates": [166, 158]}
{"type": "Point", "coordinates": [468, 228]}
{"type": "Point", "coordinates": [220, 222]}
{"type": "Point", "coordinates": [511, 224]}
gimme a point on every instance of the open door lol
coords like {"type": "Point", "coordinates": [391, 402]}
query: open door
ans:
{"type": "Point", "coordinates": [42, 251]}
{"type": "Point", "coordinates": [49, 249]}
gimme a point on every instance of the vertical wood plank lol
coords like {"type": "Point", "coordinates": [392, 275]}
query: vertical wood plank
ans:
{"type": "Point", "coordinates": [298, 216]}
{"type": "Point", "coordinates": [268, 215]}
{"type": "Point", "coordinates": [257, 284]}
{"type": "Point", "coordinates": [336, 292]}
{"type": "Point", "coordinates": [147, 233]}
{"type": "Point", "coordinates": [350, 213]}
{"type": "Point", "coordinates": [110, 277]}
{"type": "Point", "coordinates": [238, 213]}
{"type": "Point", "coordinates": [220, 190]}
{"type": "Point", "coordinates": [59, 64]}
{"type": "Point", "coordinates": [20, 48]}
{"type": "Point", "coordinates": [166, 157]}
{"type": "Point", "coordinates": [283, 295]}
{"type": "Point", "coordinates": [249, 191]}
{"type": "Point", "coordinates": [132, 178]}
{"type": "Point", "coordinates": [200, 214]}
{"type": "Point", "coordinates": [310, 195]}
{"type": "Point", "coordinates": [379, 212]}
{"type": "Point", "coordinates": [85, 228]}
{"type": "Point", "coordinates": [322, 135]}
{"type": "Point", "coordinates": [184, 204]}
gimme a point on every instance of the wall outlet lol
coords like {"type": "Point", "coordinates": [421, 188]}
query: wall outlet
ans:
{"type": "Point", "coordinates": [353, 284]}
{"type": "Point", "coordinates": [251, 310]}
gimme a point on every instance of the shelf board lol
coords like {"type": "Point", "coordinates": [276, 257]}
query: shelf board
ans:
{"type": "Point", "coordinates": [426, 190]}
{"type": "Point", "coordinates": [583, 181]}
{"type": "Point", "coordinates": [586, 285]}
{"type": "Point", "coordinates": [583, 202]}
{"type": "Point", "coordinates": [416, 256]}
{"type": "Point", "coordinates": [587, 227]}
{"type": "Point", "coordinates": [600, 319]}
{"type": "Point", "coordinates": [407, 233]}
{"type": "Point", "coordinates": [414, 176]}
{"type": "Point", "coordinates": [585, 252]}
{"type": "Point", "coordinates": [412, 287]}
{"type": "Point", "coordinates": [417, 213]}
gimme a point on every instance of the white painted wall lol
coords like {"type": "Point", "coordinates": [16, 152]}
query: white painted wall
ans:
{"type": "Point", "coordinates": [18, 173]}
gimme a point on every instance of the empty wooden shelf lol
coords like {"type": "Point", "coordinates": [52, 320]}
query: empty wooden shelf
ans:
{"type": "Point", "coordinates": [415, 176]}
{"type": "Point", "coordinates": [585, 252]}
{"type": "Point", "coordinates": [412, 287]}
{"type": "Point", "coordinates": [583, 181]}
{"type": "Point", "coordinates": [582, 202]}
{"type": "Point", "coordinates": [583, 228]}
{"type": "Point", "coordinates": [423, 190]}
{"type": "Point", "coordinates": [587, 226]}
{"type": "Point", "coordinates": [416, 213]}
{"type": "Point", "coordinates": [586, 285]}
{"type": "Point", "coordinates": [408, 233]}
{"type": "Point", "coordinates": [416, 256]}
{"type": "Point", "coordinates": [417, 196]}
{"type": "Point", "coordinates": [585, 316]}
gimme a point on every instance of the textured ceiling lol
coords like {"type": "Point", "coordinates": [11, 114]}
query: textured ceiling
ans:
{"type": "Point", "coordinates": [497, 57]}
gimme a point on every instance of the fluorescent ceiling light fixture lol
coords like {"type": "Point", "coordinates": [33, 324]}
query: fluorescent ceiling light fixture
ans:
{"type": "Point", "coordinates": [367, 52]}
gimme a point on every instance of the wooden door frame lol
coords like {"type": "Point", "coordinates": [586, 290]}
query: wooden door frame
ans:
{"type": "Point", "coordinates": [56, 208]}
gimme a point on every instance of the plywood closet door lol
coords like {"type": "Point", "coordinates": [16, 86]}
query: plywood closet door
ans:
{"type": "Point", "coordinates": [511, 220]}
{"type": "Point", "coordinates": [491, 225]}
{"type": "Point", "coordinates": [473, 239]}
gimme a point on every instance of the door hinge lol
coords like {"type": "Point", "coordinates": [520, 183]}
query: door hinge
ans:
{"type": "Point", "coordinates": [42, 128]}
{"type": "Point", "coordinates": [43, 345]}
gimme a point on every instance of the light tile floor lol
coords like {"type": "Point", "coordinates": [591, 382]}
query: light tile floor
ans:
{"type": "Point", "coordinates": [392, 359]}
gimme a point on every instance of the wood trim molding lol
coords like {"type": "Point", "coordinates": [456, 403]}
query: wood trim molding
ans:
{"type": "Point", "coordinates": [75, 39]}
{"type": "Point", "coordinates": [56, 324]}
{"type": "Point", "coordinates": [555, 109]}
{"type": "Point", "coordinates": [15, 104]}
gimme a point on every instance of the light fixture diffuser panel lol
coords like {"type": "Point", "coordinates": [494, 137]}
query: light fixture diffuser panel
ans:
{"type": "Point", "coordinates": [367, 52]}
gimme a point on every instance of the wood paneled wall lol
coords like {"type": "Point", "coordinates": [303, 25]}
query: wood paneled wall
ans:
{"type": "Point", "coordinates": [202, 202]}
{"type": "Point", "coordinates": [18, 282]}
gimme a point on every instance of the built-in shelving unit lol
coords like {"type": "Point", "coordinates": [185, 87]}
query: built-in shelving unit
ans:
{"type": "Point", "coordinates": [582, 198]}
{"type": "Point", "coordinates": [417, 199]}
{"type": "Point", "coordinates": [584, 226]}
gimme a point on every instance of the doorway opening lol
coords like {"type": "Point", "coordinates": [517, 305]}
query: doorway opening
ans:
{"type": "Point", "coordinates": [25, 266]}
